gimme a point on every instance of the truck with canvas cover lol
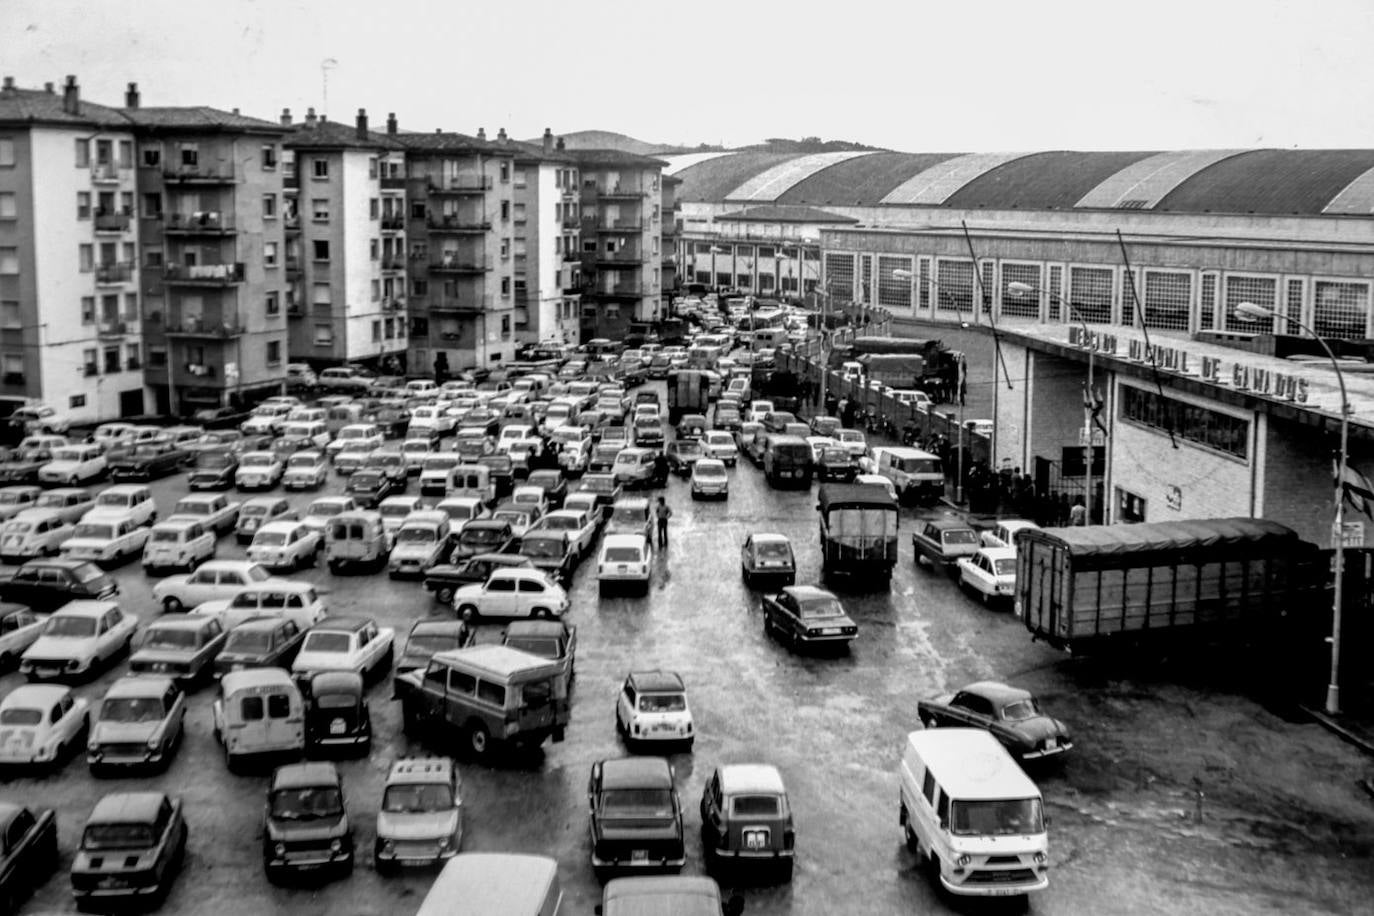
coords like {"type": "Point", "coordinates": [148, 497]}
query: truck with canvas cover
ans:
{"type": "Point", "coordinates": [893, 369]}
{"type": "Point", "coordinates": [858, 532]}
{"type": "Point", "coordinates": [689, 392]}
{"type": "Point", "coordinates": [1101, 587]}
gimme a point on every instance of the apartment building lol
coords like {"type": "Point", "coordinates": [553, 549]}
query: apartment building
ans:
{"type": "Point", "coordinates": [69, 305]}
{"type": "Point", "coordinates": [670, 280]}
{"type": "Point", "coordinates": [344, 212]}
{"type": "Point", "coordinates": [461, 236]}
{"type": "Point", "coordinates": [547, 244]}
{"type": "Point", "coordinates": [622, 225]}
{"type": "Point", "coordinates": [211, 271]}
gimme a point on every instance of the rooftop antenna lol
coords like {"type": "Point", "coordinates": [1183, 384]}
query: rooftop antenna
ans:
{"type": "Point", "coordinates": [326, 65]}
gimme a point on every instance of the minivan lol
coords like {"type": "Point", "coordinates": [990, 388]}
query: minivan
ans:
{"type": "Point", "coordinates": [259, 712]}
{"type": "Point", "coordinates": [471, 480]}
{"type": "Point", "coordinates": [917, 475]}
{"type": "Point", "coordinates": [356, 538]}
{"type": "Point", "coordinates": [971, 814]}
{"type": "Point", "coordinates": [495, 884]}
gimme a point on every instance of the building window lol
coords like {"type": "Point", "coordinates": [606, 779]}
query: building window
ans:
{"type": "Point", "coordinates": [376, 330]}
{"type": "Point", "coordinates": [83, 204]}
{"type": "Point", "coordinates": [269, 156]}
{"type": "Point", "coordinates": [1130, 509]}
{"type": "Point", "coordinates": [111, 359]}
{"type": "Point", "coordinates": [152, 206]}
{"type": "Point", "coordinates": [505, 209]}
{"type": "Point", "coordinates": [319, 167]}
{"type": "Point", "coordinates": [269, 206]}
{"type": "Point", "coordinates": [1168, 300]}
{"type": "Point", "coordinates": [83, 153]}
{"type": "Point", "coordinates": [505, 286]}
{"type": "Point", "coordinates": [85, 255]}
{"type": "Point", "coordinates": [1090, 293]}
{"type": "Point", "coordinates": [321, 248]}
{"type": "Point", "coordinates": [131, 357]}
{"type": "Point", "coordinates": [1024, 304]}
{"type": "Point", "coordinates": [373, 249]}
{"type": "Point", "coordinates": [89, 366]}
{"type": "Point", "coordinates": [13, 364]}
{"type": "Point", "coordinates": [376, 290]}
{"type": "Point", "coordinates": [505, 171]}
{"type": "Point", "coordinates": [1340, 309]}
{"type": "Point", "coordinates": [419, 327]}
{"type": "Point", "coordinates": [88, 309]}
{"type": "Point", "coordinates": [9, 314]}
{"type": "Point", "coordinates": [505, 326]}
{"type": "Point", "coordinates": [320, 295]}
{"type": "Point", "coordinates": [6, 153]}
{"type": "Point", "coordinates": [273, 352]}
{"type": "Point", "coordinates": [152, 157]}
{"type": "Point", "coordinates": [324, 335]}
{"type": "Point", "coordinates": [372, 167]}
{"type": "Point", "coordinates": [374, 208]}
{"type": "Point", "coordinates": [76, 400]}
{"type": "Point", "coordinates": [126, 154]}
{"type": "Point", "coordinates": [190, 155]}
{"type": "Point", "coordinates": [152, 257]}
{"type": "Point", "coordinates": [505, 248]}
{"type": "Point", "coordinates": [273, 302]}
{"type": "Point", "coordinates": [9, 209]}
{"type": "Point", "coordinates": [319, 209]}
{"type": "Point", "coordinates": [269, 254]}
{"type": "Point", "coordinates": [893, 291]}
{"type": "Point", "coordinates": [390, 331]}
{"type": "Point", "coordinates": [157, 357]}
{"type": "Point", "coordinates": [417, 209]}
{"type": "Point", "coordinates": [1198, 425]}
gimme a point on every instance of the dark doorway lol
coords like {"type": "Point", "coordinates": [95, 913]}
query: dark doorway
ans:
{"type": "Point", "coordinates": [131, 402]}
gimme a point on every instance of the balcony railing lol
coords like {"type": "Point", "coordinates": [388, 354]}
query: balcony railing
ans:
{"type": "Point", "coordinates": [394, 304]}
{"type": "Point", "coordinates": [618, 225]}
{"type": "Point", "coordinates": [112, 222]}
{"type": "Point", "coordinates": [460, 265]}
{"type": "Point", "coordinates": [199, 174]}
{"type": "Point", "coordinates": [393, 223]}
{"type": "Point", "coordinates": [470, 306]}
{"type": "Point", "coordinates": [293, 263]}
{"type": "Point", "coordinates": [572, 222]}
{"type": "Point", "coordinates": [115, 328]}
{"type": "Point", "coordinates": [200, 222]}
{"type": "Point", "coordinates": [393, 263]}
{"type": "Point", "coordinates": [460, 184]}
{"type": "Point", "coordinates": [622, 192]}
{"type": "Point", "coordinates": [453, 223]}
{"type": "Point", "coordinates": [105, 173]}
{"type": "Point", "coordinates": [204, 274]}
{"type": "Point", "coordinates": [619, 258]}
{"type": "Point", "coordinates": [291, 222]}
{"type": "Point", "coordinates": [121, 272]}
{"type": "Point", "coordinates": [200, 370]}
{"type": "Point", "coordinates": [617, 291]}
{"type": "Point", "coordinates": [196, 326]}
{"type": "Point", "coordinates": [393, 183]}
{"type": "Point", "coordinates": [576, 257]}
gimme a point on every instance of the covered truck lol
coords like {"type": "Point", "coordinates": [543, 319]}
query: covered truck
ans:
{"type": "Point", "coordinates": [1095, 588]}
{"type": "Point", "coordinates": [893, 369]}
{"type": "Point", "coordinates": [858, 532]}
{"type": "Point", "coordinates": [689, 391]}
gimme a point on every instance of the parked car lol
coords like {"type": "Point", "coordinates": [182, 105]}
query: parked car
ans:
{"type": "Point", "coordinates": [40, 418]}
{"type": "Point", "coordinates": [720, 445]}
{"type": "Point", "coordinates": [486, 535]}
{"type": "Point", "coordinates": [74, 464]}
{"type": "Point", "coordinates": [33, 533]}
{"type": "Point", "coordinates": [990, 573]}
{"type": "Point", "coordinates": [422, 542]}
{"type": "Point", "coordinates": [183, 648]}
{"type": "Point", "coordinates": [428, 637]}
{"type": "Point", "coordinates": [636, 816]}
{"type": "Point", "coordinates": [421, 816]}
{"type": "Point", "coordinates": [259, 471]}
{"type": "Point", "coordinates": [445, 579]}
{"type": "Point", "coordinates": [345, 644]}
{"type": "Point", "coordinates": [41, 726]}
{"type": "Point", "coordinates": [306, 470]}
{"type": "Point", "coordinates": [942, 542]}
{"type": "Point", "coordinates": [306, 827]}
{"type": "Point", "coordinates": [215, 512]}
{"type": "Point", "coordinates": [337, 717]}
{"type": "Point", "coordinates": [652, 711]}
{"type": "Point", "coordinates": [511, 593]}
{"type": "Point", "coordinates": [258, 714]}
{"type": "Point", "coordinates": [285, 545]}
{"type": "Point", "coordinates": [1011, 714]}
{"type": "Point", "coordinates": [260, 511]}
{"type": "Point", "coordinates": [709, 479]}
{"type": "Point", "coordinates": [356, 538]}
{"type": "Point", "coordinates": [630, 516]}
{"type": "Point", "coordinates": [19, 627]}
{"type": "Point", "coordinates": [69, 502]}
{"type": "Point", "coordinates": [213, 581]}
{"type": "Point", "coordinates": [555, 640]}
{"type": "Point", "coordinates": [626, 559]}
{"type": "Point", "coordinates": [261, 642]}
{"type": "Point", "coordinates": [177, 543]}
{"type": "Point", "coordinates": [47, 584]}
{"type": "Point", "coordinates": [16, 499]}
{"type": "Point", "coordinates": [746, 818]}
{"type": "Point", "coordinates": [132, 847]}
{"type": "Point", "coordinates": [138, 724]}
{"type": "Point", "coordinates": [147, 461]}
{"type": "Point", "coordinates": [806, 615]}
{"type": "Point", "coordinates": [368, 487]}
{"type": "Point", "coordinates": [767, 556]}
{"type": "Point", "coordinates": [358, 437]}
{"type": "Point", "coordinates": [320, 511]}
{"type": "Point", "coordinates": [106, 539]}
{"type": "Point", "coordinates": [574, 524]}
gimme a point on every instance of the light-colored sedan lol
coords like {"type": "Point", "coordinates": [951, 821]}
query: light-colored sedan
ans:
{"type": "Point", "coordinates": [34, 533]}
{"type": "Point", "coordinates": [513, 592]}
{"type": "Point", "coordinates": [305, 471]}
{"type": "Point", "coordinates": [357, 437]}
{"type": "Point", "coordinates": [215, 580]}
{"type": "Point", "coordinates": [319, 512]}
{"type": "Point", "coordinates": [41, 724]}
{"type": "Point", "coordinates": [709, 479]}
{"type": "Point", "coordinates": [285, 545]}
{"type": "Point", "coordinates": [78, 637]}
{"type": "Point", "coordinates": [259, 471]}
{"type": "Point", "coordinates": [720, 444]}
{"type": "Point", "coordinates": [575, 524]}
{"type": "Point", "coordinates": [991, 572]}
{"type": "Point", "coordinates": [436, 418]}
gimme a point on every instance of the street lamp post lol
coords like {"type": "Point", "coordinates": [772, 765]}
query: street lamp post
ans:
{"type": "Point", "coordinates": [1252, 311]}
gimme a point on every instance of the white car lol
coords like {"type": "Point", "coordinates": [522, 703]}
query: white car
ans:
{"type": "Point", "coordinates": [287, 545]}
{"type": "Point", "coordinates": [357, 437]}
{"type": "Point", "coordinates": [178, 543]}
{"type": "Point", "coordinates": [652, 709]}
{"type": "Point", "coordinates": [40, 418]}
{"type": "Point", "coordinates": [758, 410]}
{"type": "Point", "coordinates": [624, 559]}
{"type": "Point", "coordinates": [17, 499]}
{"type": "Point", "coordinates": [319, 512]}
{"type": "Point", "coordinates": [74, 464]}
{"type": "Point", "coordinates": [214, 581]}
{"type": "Point", "coordinates": [913, 398]}
{"type": "Point", "coordinates": [394, 510]}
{"type": "Point", "coordinates": [215, 511]}
{"type": "Point", "coordinates": [819, 444]}
{"type": "Point", "coordinates": [512, 592]}
{"type": "Point", "coordinates": [709, 479]}
{"type": "Point", "coordinates": [106, 538]}
{"type": "Point", "coordinates": [415, 451]}
{"type": "Point", "coordinates": [345, 644]}
{"type": "Point", "coordinates": [435, 418]}
{"type": "Point", "coordinates": [69, 502]}
{"type": "Point", "coordinates": [533, 498]}
{"type": "Point", "coordinates": [259, 471]}
{"type": "Point", "coordinates": [306, 427]}
{"type": "Point", "coordinates": [719, 444]}
{"type": "Point", "coordinates": [852, 441]}
{"type": "Point", "coordinates": [42, 724]}
{"type": "Point", "coordinates": [576, 525]}
{"type": "Point", "coordinates": [279, 597]}
{"type": "Point", "coordinates": [19, 627]}
{"type": "Point", "coordinates": [462, 509]}
{"type": "Point", "coordinates": [78, 637]}
{"type": "Point", "coordinates": [520, 518]}
{"type": "Point", "coordinates": [991, 572]}
{"type": "Point", "coordinates": [305, 471]}
{"type": "Point", "coordinates": [266, 419]}
{"type": "Point", "coordinates": [34, 533]}
{"type": "Point", "coordinates": [422, 542]}
{"type": "Point", "coordinates": [878, 480]}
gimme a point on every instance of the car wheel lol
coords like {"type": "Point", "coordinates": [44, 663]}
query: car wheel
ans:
{"type": "Point", "coordinates": [542, 613]}
{"type": "Point", "coordinates": [444, 594]}
{"type": "Point", "coordinates": [468, 611]}
{"type": "Point", "coordinates": [172, 605]}
{"type": "Point", "coordinates": [479, 740]}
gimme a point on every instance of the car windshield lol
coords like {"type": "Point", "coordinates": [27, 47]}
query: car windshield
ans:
{"type": "Point", "coordinates": [637, 802]}
{"type": "Point", "coordinates": [820, 607]}
{"type": "Point", "coordinates": [395, 510]}
{"type": "Point", "coordinates": [429, 643]}
{"type": "Point", "coordinates": [709, 471]}
{"type": "Point", "coordinates": [1020, 710]}
{"type": "Point", "coordinates": [512, 516]}
{"type": "Point", "coordinates": [415, 534]}
{"type": "Point", "coordinates": [165, 536]}
{"type": "Point", "coordinates": [248, 641]}
{"type": "Point", "coordinates": [324, 510]}
{"type": "Point", "coordinates": [755, 805]}
{"type": "Point", "coordinates": [849, 435]}
{"type": "Point", "coordinates": [719, 439]}
{"type": "Point", "coordinates": [337, 700]}
{"type": "Point", "coordinates": [307, 803]}
{"type": "Point", "coordinates": [99, 837]}
{"type": "Point", "coordinates": [258, 461]}
{"type": "Point", "coordinates": [417, 799]}
{"type": "Point", "coordinates": [481, 536]}
{"type": "Point", "coordinates": [366, 479]}
{"type": "Point", "coordinates": [270, 539]}
{"type": "Point", "coordinates": [303, 461]}
{"type": "Point", "coordinates": [960, 536]}
{"type": "Point", "coordinates": [327, 642]}
{"type": "Point", "coordinates": [1005, 566]}
{"type": "Point", "coordinates": [131, 709]}
{"type": "Point", "coordinates": [52, 501]}
{"type": "Point", "coordinates": [773, 550]}
{"type": "Point", "coordinates": [628, 514]}
{"type": "Point", "coordinates": [623, 555]}
{"type": "Point", "coordinates": [20, 716]}
{"type": "Point", "coordinates": [834, 454]}
{"type": "Point", "coordinates": [548, 548]}
{"type": "Point", "coordinates": [70, 625]}
{"type": "Point", "coordinates": [662, 702]}
{"type": "Point", "coordinates": [94, 531]}
{"type": "Point", "coordinates": [88, 572]}
{"type": "Point", "coordinates": [1001, 817]}
{"type": "Point", "coordinates": [214, 460]}
{"type": "Point", "coordinates": [14, 528]}
{"type": "Point", "coordinates": [10, 499]}
{"type": "Point", "coordinates": [560, 523]}
{"type": "Point", "coordinates": [543, 646]}
{"type": "Point", "coordinates": [170, 638]}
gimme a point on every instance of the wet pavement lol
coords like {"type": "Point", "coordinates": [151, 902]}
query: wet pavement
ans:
{"type": "Point", "coordinates": [1284, 826]}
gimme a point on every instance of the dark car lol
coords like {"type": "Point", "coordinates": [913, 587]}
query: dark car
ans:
{"type": "Point", "coordinates": [429, 637]}
{"type": "Point", "coordinates": [605, 486]}
{"type": "Point", "coordinates": [489, 421]}
{"type": "Point", "coordinates": [392, 421]}
{"type": "Point", "coordinates": [483, 535]}
{"type": "Point", "coordinates": [306, 829]}
{"type": "Point", "coordinates": [649, 432]}
{"type": "Point", "coordinates": [22, 467]}
{"type": "Point", "coordinates": [28, 851]}
{"type": "Point", "coordinates": [337, 717]}
{"type": "Point", "coordinates": [47, 584]}
{"type": "Point", "coordinates": [682, 454]}
{"type": "Point", "coordinates": [746, 818]}
{"type": "Point", "coordinates": [555, 640]}
{"type": "Point", "coordinates": [369, 486]}
{"type": "Point", "coordinates": [728, 417]}
{"type": "Point", "coordinates": [149, 460]}
{"type": "Point", "coordinates": [131, 849]}
{"type": "Point", "coordinates": [603, 457]}
{"type": "Point", "coordinates": [392, 462]}
{"type": "Point", "coordinates": [550, 551]}
{"type": "Point", "coordinates": [443, 580]}
{"type": "Point", "coordinates": [836, 464]}
{"type": "Point", "coordinates": [213, 470]}
{"type": "Point", "coordinates": [806, 615]}
{"type": "Point", "coordinates": [185, 648]}
{"type": "Point", "coordinates": [266, 642]}
{"type": "Point", "coordinates": [636, 816]}
{"type": "Point", "coordinates": [941, 542]}
{"type": "Point", "coordinates": [775, 421]}
{"type": "Point", "coordinates": [552, 483]}
{"type": "Point", "coordinates": [825, 426]}
{"type": "Point", "coordinates": [1012, 715]}
{"type": "Point", "coordinates": [219, 417]}
{"type": "Point", "coordinates": [633, 372]}
{"type": "Point", "coordinates": [502, 472]}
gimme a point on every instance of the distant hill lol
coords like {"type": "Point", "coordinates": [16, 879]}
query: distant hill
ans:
{"type": "Point", "coordinates": [609, 139]}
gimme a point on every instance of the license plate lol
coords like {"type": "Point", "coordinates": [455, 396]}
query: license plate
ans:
{"type": "Point", "coordinates": [754, 839]}
{"type": "Point", "coordinates": [337, 727]}
{"type": "Point", "coordinates": [621, 567]}
{"type": "Point", "coordinates": [1051, 743]}
{"type": "Point", "coordinates": [639, 855]}
{"type": "Point", "coordinates": [110, 883]}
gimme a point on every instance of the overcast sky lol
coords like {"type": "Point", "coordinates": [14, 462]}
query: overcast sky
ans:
{"type": "Point", "coordinates": [905, 74]}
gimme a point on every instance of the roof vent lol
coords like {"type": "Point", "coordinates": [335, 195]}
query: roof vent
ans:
{"type": "Point", "coordinates": [1133, 204]}
{"type": "Point", "coordinates": [391, 125]}
{"type": "Point", "coordinates": [131, 97]}
{"type": "Point", "coordinates": [48, 88]}
{"type": "Point", "coordinates": [286, 117]}
{"type": "Point", "coordinates": [310, 118]}
{"type": "Point", "coordinates": [9, 82]}
{"type": "Point", "coordinates": [482, 134]}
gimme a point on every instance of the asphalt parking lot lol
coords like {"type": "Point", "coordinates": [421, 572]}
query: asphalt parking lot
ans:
{"type": "Point", "coordinates": [1283, 826]}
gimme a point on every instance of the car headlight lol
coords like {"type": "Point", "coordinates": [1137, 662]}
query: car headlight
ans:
{"type": "Point", "coordinates": [1041, 858]}
{"type": "Point", "coordinates": [152, 744]}
{"type": "Point", "coordinates": [388, 846]}
{"type": "Point", "coordinates": [93, 748]}
{"type": "Point", "coordinates": [336, 846]}
{"type": "Point", "coordinates": [279, 850]}
{"type": "Point", "coordinates": [963, 861]}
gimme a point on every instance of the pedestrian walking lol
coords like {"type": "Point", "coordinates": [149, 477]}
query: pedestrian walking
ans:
{"type": "Point", "coordinates": [661, 515]}
{"type": "Point", "coordinates": [1078, 515]}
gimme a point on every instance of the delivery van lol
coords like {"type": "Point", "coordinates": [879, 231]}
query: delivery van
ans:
{"type": "Point", "coordinates": [259, 713]}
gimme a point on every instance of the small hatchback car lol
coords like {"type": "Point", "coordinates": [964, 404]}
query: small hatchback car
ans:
{"type": "Point", "coordinates": [421, 820]}
{"type": "Point", "coordinates": [131, 849]}
{"type": "Point", "coordinates": [652, 711]}
{"type": "Point", "coordinates": [636, 818]}
{"type": "Point", "coordinates": [306, 829]}
{"type": "Point", "coordinates": [746, 818]}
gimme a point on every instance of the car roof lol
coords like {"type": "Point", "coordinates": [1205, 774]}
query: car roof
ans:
{"type": "Point", "coordinates": [280, 525]}
{"type": "Point", "coordinates": [262, 501]}
{"type": "Point", "coordinates": [657, 681]}
{"type": "Point", "coordinates": [139, 685]}
{"type": "Point", "coordinates": [624, 540]}
{"type": "Point", "coordinates": [949, 524]}
{"type": "Point", "coordinates": [536, 628]}
{"type": "Point", "coordinates": [971, 763]}
{"type": "Point", "coordinates": [35, 695]}
{"type": "Point", "coordinates": [255, 624]}
{"type": "Point", "coordinates": [174, 522]}
{"type": "Point", "coordinates": [996, 691]}
{"type": "Point", "coordinates": [127, 807]}
{"type": "Point", "coordinates": [426, 517]}
{"type": "Point", "coordinates": [346, 624]}
{"type": "Point", "coordinates": [486, 523]}
{"type": "Point", "coordinates": [193, 622]}
{"type": "Point", "coordinates": [33, 515]}
{"type": "Point", "coordinates": [422, 769]}
{"type": "Point", "coordinates": [305, 775]}
{"type": "Point", "coordinates": [438, 625]}
{"type": "Point", "coordinates": [83, 608]}
{"type": "Point", "coordinates": [636, 773]}
{"type": "Point", "coordinates": [123, 488]}
{"type": "Point", "coordinates": [256, 677]}
{"type": "Point", "coordinates": [336, 682]}
{"type": "Point", "coordinates": [999, 553]}
{"type": "Point", "coordinates": [763, 778]}
{"type": "Point", "coordinates": [807, 592]}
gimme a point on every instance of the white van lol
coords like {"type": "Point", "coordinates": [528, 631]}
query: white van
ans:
{"type": "Point", "coordinates": [1003, 534]}
{"type": "Point", "coordinates": [917, 476]}
{"type": "Point", "coordinates": [259, 712]}
{"type": "Point", "coordinates": [495, 884]}
{"type": "Point", "coordinates": [471, 480]}
{"type": "Point", "coordinates": [971, 814]}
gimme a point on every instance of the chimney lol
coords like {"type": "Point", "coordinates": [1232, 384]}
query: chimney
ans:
{"type": "Point", "coordinates": [236, 109]}
{"type": "Point", "coordinates": [131, 96]}
{"type": "Point", "coordinates": [482, 134]}
{"type": "Point", "coordinates": [501, 135]}
{"type": "Point", "coordinates": [310, 117]}
{"type": "Point", "coordinates": [362, 123]}
{"type": "Point", "coordinates": [48, 88]}
{"type": "Point", "coordinates": [559, 145]}
{"type": "Point", "coordinates": [286, 117]}
{"type": "Point", "coordinates": [548, 140]}
{"type": "Point", "coordinates": [391, 125]}
{"type": "Point", "coordinates": [71, 96]}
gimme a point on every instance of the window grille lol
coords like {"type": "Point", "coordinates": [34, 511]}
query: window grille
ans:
{"type": "Point", "coordinates": [923, 290]}
{"type": "Point", "coordinates": [1168, 297]}
{"type": "Point", "coordinates": [1026, 304]}
{"type": "Point", "coordinates": [1340, 309]}
{"type": "Point", "coordinates": [1054, 290]}
{"type": "Point", "coordinates": [1090, 293]}
{"type": "Point", "coordinates": [839, 275]}
{"type": "Point", "coordinates": [894, 292]}
{"type": "Point", "coordinates": [954, 286]}
{"type": "Point", "coordinates": [1263, 291]}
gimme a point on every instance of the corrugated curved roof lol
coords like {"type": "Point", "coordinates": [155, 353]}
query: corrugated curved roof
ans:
{"type": "Point", "coordinates": [1141, 185]}
{"type": "Point", "coordinates": [713, 180]}
{"type": "Point", "coordinates": [1271, 181]}
{"type": "Point", "coordinates": [771, 183]}
{"type": "Point", "coordinates": [679, 161]}
{"type": "Point", "coordinates": [860, 182]}
{"type": "Point", "coordinates": [1040, 181]}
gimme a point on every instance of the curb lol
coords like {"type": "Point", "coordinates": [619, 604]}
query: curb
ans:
{"type": "Point", "coordinates": [1333, 725]}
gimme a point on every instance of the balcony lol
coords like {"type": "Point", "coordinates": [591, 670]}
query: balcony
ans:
{"type": "Point", "coordinates": [616, 291]}
{"type": "Point", "coordinates": [200, 222]}
{"type": "Point", "coordinates": [291, 222]}
{"type": "Point", "coordinates": [199, 370]}
{"type": "Point", "coordinates": [621, 192]}
{"type": "Point", "coordinates": [621, 259]}
{"type": "Point", "coordinates": [290, 180]}
{"type": "Point", "coordinates": [111, 274]}
{"type": "Point", "coordinates": [197, 326]}
{"type": "Point", "coordinates": [392, 264]}
{"type": "Point", "coordinates": [293, 265]}
{"type": "Point", "coordinates": [105, 173]}
{"type": "Point", "coordinates": [394, 304]}
{"type": "Point", "coordinates": [461, 184]}
{"type": "Point", "coordinates": [459, 265]}
{"type": "Point", "coordinates": [294, 310]}
{"type": "Point", "coordinates": [471, 306]}
{"type": "Point", "coordinates": [393, 183]}
{"type": "Point", "coordinates": [574, 257]}
{"type": "Point", "coordinates": [112, 222]}
{"type": "Point", "coordinates": [203, 274]}
{"type": "Point", "coordinates": [393, 223]}
{"type": "Point", "coordinates": [200, 174]}
{"type": "Point", "coordinates": [572, 222]}
{"type": "Point", "coordinates": [618, 225]}
{"type": "Point", "coordinates": [458, 224]}
{"type": "Point", "coordinates": [111, 328]}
